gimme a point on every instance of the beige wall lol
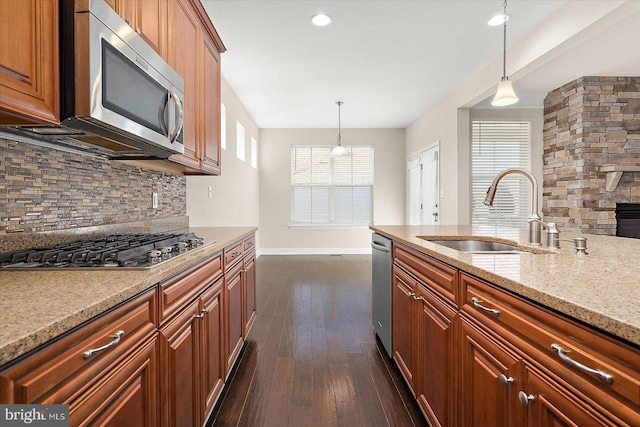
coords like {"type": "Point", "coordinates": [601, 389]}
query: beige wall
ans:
{"type": "Point", "coordinates": [448, 121]}
{"type": "Point", "coordinates": [275, 185]}
{"type": "Point", "coordinates": [235, 193]}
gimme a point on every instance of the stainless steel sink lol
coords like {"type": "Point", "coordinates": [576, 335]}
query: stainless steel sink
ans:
{"type": "Point", "coordinates": [479, 246]}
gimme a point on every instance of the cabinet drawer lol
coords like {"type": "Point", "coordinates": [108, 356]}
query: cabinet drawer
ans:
{"type": "Point", "coordinates": [178, 291]}
{"type": "Point", "coordinates": [440, 277]}
{"type": "Point", "coordinates": [232, 254]}
{"type": "Point", "coordinates": [249, 243]}
{"type": "Point", "coordinates": [45, 375]}
{"type": "Point", "coordinates": [556, 339]}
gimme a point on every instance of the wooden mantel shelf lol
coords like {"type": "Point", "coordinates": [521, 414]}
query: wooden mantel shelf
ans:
{"type": "Point", "coordinates": [614, 173]}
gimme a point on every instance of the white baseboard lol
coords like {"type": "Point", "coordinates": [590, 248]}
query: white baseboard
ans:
{"type": "Point", "coordinates": [315, 251]}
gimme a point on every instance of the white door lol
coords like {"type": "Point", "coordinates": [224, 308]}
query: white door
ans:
{"type": "Point", "coordinates": [423, 188]}
{"type": "Point", "coordinates": [414, 189]}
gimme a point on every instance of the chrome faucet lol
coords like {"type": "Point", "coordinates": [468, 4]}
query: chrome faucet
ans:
{"type": "Point", "coordinates": [534, 220]}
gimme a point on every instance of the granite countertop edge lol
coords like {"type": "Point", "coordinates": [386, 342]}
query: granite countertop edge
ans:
{"type": "Point", "coordinates": [31, 318]}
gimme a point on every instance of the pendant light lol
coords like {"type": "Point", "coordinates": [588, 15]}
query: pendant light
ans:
{"type": "Point", "coordinates": [339, 150]}
{"type": "Point", "coordinates": [505, 94]}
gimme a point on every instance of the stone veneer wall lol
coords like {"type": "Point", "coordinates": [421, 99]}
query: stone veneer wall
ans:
{"type": "Point", "coordinates": [43, 189]}
{"type": "Point", "coordinates": [588, 123]}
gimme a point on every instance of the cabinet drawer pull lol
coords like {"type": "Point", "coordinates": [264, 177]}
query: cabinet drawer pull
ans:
{"type": "Point", "coordinates": [607, 378]}
{"type": "Point", "coordinates": [505, 381]}
{"type": "Point", "coordinates": [477, 304]}
{"type": "Point", "coordinates": [235, 254]}
{"type": "Point", "coordinates": [116, 339]}
{"type": "Point", "coordinates": [525, 398]}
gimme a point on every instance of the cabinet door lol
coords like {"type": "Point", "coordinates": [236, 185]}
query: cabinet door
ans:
{"type": "Point", "coordinates": [233, 307]}
{"type": "Point", "coordinates": [184, 33]}
{"type": "Point", "coordinates": [550, 405]}
{"type": "Point", "coordinates": [212, 345]}
{"type": "Point", "coordinates": [489, 379]}
{"type": "Point", "coordinates": [180, 371]}
{"type": "Point", "coordinates": [403, 325]}
{"type": "Point", "coordinates": [147, 17]}
{"type": "Point", "coordinates": [29, 63]}
{"type": "Point", "coordinates": [249, 291]}
{"type": "Point", "coordinates": [210, 107]}
{"type": "Point", "coordinates": [435, 359]}
{"type": "Point", "coordinates": [126, 396]}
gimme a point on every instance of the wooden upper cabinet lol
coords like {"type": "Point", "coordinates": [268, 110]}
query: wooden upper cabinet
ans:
{"type": "Point", "coordinates": [210, 108]}
{"type": "Point", "coordinates": [148, 18]}
{"type": "Point", "coordinates": [195, 54]}
{"type": "Point", "coordinates": [184, 33]}
{"type": "Point", "coordinates": [29, 64]}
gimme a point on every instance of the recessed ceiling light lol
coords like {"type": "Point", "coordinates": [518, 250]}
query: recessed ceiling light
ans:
{"type": "Point", "coordinates": [321, 20]}
{"type": "Point", "coordinates": [499, 19]}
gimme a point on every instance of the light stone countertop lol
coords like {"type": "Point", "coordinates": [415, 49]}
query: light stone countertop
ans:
{"type": "Point", "coordinates": [601, 289]}
{"type": "Point", "coordinates": [37, 306]}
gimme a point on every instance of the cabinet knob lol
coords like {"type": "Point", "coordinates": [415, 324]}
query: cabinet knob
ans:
{"type": "Point", "coordinates": [525, 398]}
{"type": "Point", "coordinates": [505, 381]}
{"type": "Point", "coordinates": [128, 21]}
{"type": "Point", "coordinates": [138, 31]}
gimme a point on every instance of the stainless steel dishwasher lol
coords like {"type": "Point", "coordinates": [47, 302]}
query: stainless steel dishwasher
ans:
{"type": "Point", "coordinates": [381, 289]}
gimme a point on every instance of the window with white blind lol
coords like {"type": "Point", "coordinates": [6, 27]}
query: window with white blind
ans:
{"type": "Point", "coordinates": [331, 191]}
{"type": "Point", "coordinates": [496, 146]}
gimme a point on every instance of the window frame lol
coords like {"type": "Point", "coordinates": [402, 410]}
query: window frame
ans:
{"type": "Point", "coordinates": [331, 224]}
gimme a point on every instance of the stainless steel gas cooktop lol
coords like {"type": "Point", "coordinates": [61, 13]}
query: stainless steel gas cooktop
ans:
{"type": "Point", "coordinates": [124, 251]}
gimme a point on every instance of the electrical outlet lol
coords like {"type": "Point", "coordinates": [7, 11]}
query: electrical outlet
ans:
{"type": "Point", "coordinates": [210, 192]}
{"type": "Point", "coordinates": [154, 200]}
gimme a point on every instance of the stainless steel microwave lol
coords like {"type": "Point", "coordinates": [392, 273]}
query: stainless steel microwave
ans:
{"type": "Point", "coordinates": [119, 98]}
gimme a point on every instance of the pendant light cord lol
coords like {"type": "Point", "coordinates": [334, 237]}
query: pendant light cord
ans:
{"type": "Point", "coordinates": [504, 46]}
{"type": "Point", "coordinates": [339, 136]}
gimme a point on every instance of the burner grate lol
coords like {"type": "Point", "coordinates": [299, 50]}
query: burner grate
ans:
{"type": "Point", "coordinates": [117, 250]}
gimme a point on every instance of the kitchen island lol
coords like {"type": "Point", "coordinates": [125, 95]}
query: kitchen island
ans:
{"type": "Point", "coordinates": [601, 289]}
{"type": "Point", "coordinates": [534, 337]}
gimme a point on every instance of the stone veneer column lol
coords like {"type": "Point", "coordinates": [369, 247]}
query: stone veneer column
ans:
{"type": "Point", "coordinates": [588, 123]}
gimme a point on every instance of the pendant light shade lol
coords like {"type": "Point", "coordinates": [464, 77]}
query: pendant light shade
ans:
{"type": "Point", "coordinates": [339, 150]}
{"type": "Point", "coordinates": [505, 94]}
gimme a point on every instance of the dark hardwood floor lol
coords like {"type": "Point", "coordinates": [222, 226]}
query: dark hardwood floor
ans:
{"type": "Point", "coordinates": [312, 358]}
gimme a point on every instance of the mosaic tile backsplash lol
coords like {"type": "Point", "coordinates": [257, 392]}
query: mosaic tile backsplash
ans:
{"type": "Point", "coordinates": [43, 189]}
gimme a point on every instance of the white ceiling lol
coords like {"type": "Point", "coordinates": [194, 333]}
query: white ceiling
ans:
{"type": "Point", "coordinates": [387, 60]}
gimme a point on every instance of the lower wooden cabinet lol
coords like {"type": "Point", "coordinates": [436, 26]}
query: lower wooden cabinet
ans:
{"type": "Point", "coordinates": [249, 292]}
{"type": "Point", "coordinates": [424, 349]}
{"type": "Point", "coordinates": [403, 325]}
{"type": "Point", "coordinates": [474, 354]}
{"type": "Point", "coordinates": [213, 367]}
{"type": "Point", "coordinates": [436, 383]}
{"type": "Point", "coordinates": [180, 345]}
{"type": "Point", "coordinates": [233, 305]}
{"type": "Point", "coordinates": [106, 369]}
{"type": "Point", "coordinates": [126, 396]}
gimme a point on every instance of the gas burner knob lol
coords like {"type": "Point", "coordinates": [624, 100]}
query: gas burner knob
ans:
{"type": "Point", "coordinates": [194, 242]}
{"type": "Point", "coordinates": [154, 256]}
{"type": "Point", "coordinates": [166, 251]}
{"type": "Point", "coordinates": [181, 246]}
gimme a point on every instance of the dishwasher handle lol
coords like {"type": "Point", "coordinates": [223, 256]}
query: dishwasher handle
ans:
{"type": "Point", "coordinates": [378, 246]}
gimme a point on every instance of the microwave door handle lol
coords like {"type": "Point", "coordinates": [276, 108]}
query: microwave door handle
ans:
{"type": "Point", "coordinates": [164, 117]}
{"type": "Point", "coordinates": [178, 129]}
